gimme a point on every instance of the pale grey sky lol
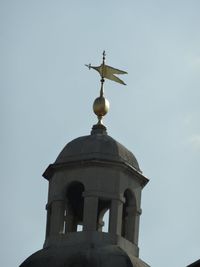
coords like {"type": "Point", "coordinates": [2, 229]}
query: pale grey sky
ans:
{"type": "Point", "coordinates": [47, 96]}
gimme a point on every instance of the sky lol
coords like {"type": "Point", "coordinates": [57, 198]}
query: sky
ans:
{"type": "Point", "coordinates": [46, 99]}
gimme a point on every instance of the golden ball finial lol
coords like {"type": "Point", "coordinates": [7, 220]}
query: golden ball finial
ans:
{"type": "Point", "coordinates": [100, 107]}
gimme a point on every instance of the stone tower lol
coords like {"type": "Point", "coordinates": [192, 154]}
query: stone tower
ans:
{"type": "Point", "coordinates": [93, 175]}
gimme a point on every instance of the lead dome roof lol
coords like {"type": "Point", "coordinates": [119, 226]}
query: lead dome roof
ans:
{"type": "Point", "coordinates": [97, 146]}
{"type": "Point", "coordinates": [104, 256]}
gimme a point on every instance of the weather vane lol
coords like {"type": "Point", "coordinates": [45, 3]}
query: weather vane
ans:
{"type": "Point", "coordinates": [101, 104]}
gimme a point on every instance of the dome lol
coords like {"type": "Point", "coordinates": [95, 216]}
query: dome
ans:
{"type": "Point", "coordinates": [106, 256]}
{"type": "Point", "coordinates": [97, 146]}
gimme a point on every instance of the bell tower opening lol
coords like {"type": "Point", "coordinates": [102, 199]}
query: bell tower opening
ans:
{"type": "Point", "coordinates": [103, 215]}
{"type": "Point", "coordinates": [74, 205]}
{"type": "Point", "coordinates": [128, 216]}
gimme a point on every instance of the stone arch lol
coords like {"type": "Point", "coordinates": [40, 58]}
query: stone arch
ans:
{"type": "Point", "coordinates": [74, 206]}
{"type": "Point", "coordinates": [129, 216]}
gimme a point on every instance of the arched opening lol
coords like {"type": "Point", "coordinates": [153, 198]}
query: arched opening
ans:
{"type": "Point", "coordinates": [48, 224]}
{"type": "Point", "coordinates": [103, 217]}
{"type": "Point", "coordinates": [128, 216]}
{"type": "Point", "coordinates": [106, 221]}
{"type": "Point", "coordinates": [74, 205]}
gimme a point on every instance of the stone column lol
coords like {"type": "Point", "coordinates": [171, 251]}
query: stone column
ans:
{"type": "Point", "coordinates": [100, 224]}
{"type": "Point", "coordinates": [132, 230]}
{"type": "Point", "coordinates": [57, 217]}
{"type": "Point", "coordinates": [48, 220]}
{"type": "Point", "coordinates": [130, 223]}
{"type": "Point", "coordinates": [136, 224]}
{"type": "Point", "coordinates": [90, 213]}
{"type": "Point", "coordinates": [115, 223]}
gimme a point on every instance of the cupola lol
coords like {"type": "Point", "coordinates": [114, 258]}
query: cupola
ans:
{"type": "Point", "coordinates": [94, 199]}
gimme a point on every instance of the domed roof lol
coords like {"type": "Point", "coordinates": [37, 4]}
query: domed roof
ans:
{"type": "Point", "coordinates": [97, 146]}
{"type": "Point", "coordinates": [106, 256]}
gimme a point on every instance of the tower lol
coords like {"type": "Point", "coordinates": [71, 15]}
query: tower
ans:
{"type": "Point", "coordinates": [93, 175]}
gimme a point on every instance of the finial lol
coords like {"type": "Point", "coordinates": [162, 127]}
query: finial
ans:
{"type": "Point", "coordinates": [104, 57]}
{"type": "Point", "coordinates": [101, 104]}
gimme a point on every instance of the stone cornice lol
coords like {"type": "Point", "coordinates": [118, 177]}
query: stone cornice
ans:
{"type": "Point", "coordinates": [52, 168]}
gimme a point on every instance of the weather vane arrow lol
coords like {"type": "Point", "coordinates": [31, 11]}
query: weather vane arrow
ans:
{"type": "Point", "coordinates": [101, 104]}
{"type": "Point", "coordinates": [108, 72]}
